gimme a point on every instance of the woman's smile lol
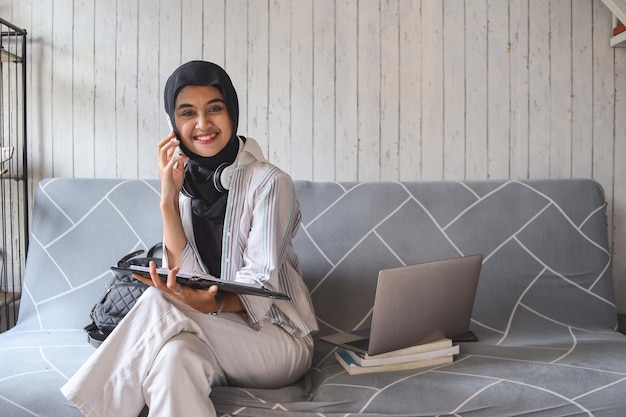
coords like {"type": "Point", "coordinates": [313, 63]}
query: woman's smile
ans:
{"type": "Point", "coordinates": [206, 138]}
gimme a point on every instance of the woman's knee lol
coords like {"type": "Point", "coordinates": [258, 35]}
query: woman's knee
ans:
{"type": "Point", "coordinates": [179, 350]}
{"type": "Point", "coordinates": [185, 356]}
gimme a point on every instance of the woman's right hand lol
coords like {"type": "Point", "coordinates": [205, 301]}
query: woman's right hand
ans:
{"type": "Point", "coordinates": [171, 167]}
{"type": "Point", "coordinates": [172, 172]}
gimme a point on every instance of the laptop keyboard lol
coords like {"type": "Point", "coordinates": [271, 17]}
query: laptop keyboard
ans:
{"type": "Point", "coordinates": [360, 344]}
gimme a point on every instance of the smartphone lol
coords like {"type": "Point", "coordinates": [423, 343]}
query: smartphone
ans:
{"type": "Point", "coordinates": [169, 122]}
{"type": "Point", "coordinates": [177, 151]}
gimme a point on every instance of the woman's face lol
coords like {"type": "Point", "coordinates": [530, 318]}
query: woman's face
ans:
{"type": "Point", "coordinates": [202, 120]}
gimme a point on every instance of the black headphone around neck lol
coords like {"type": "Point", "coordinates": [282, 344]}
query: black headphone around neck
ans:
{"type": "Point", "coordinates": [220, 178]}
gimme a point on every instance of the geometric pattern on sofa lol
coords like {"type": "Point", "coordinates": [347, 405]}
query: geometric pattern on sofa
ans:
{"type": "Point", "coordinates": [544, 311]}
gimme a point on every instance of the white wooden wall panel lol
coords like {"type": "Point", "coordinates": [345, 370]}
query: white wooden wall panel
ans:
{"type": "Point", "coordinates": [301, 89]}
{"type": "Point", "coordinates": [280, 83]}
{"type": "Point", "coordinates": [619, 187]}
{"type": "Point", "coordinates": [213, 30]}
{"type": "Point", "coordinates": [83, 94]}
{"type": "Point", "coordinates": [539, 89]}
{"type": "Point", "coordinates": [62, 88]}
{"type": "Point", "coordinates": [519, 100]}
{"type": "Point", "coordinates": [454, 89]}
{"type": "Point", "coordinates": [169, 33]}
{"type": "Point", "coordinates": [432, 91]}
{"type": "Point", "coordinates": [126, 137]}
{"type": "Point", "coordinates": [235, 50]}
{"type": "Point", "coordinates": [368, 95]}
{"type": "Point", "coordinates": [604, 109]}
{"type": "Point", "coordinates": [346, 87]}
{"type": "Point", "coordinates": [40, 97]}
{"type": "Point", "coordinates": [105, 158]}
{"type": "Point", "coordinates": [258, 69]}
{"type": "Point", "coordinates": [410, 162]}
{"type": "Point", "coordinates": [191, 13]}
{"type": "Point", "coordinates": [582, 96]}
{"type": "Point", "coordinates": [561, 88]}
{"type": "Point", "coordinates": [340, 89]}
{"type": "Point", "coordinates": [389, 88]}
{"type": "Point", "coordinates": [476, 89]}
{"type": "Point", "coordinates": [498, 89]}
{"type": "Point", "coordinates": [151, 124]}
{"type": "Point", "coordinates": [324, 112]}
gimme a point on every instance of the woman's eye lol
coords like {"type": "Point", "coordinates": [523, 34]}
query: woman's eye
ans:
{"type": "Point", "coordinates": [215, 109]}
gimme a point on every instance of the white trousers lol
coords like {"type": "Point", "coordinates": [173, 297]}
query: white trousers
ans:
{"type": "Point", "coordinates": [168, 356]}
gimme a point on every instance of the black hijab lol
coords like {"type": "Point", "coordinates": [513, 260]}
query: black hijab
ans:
{"type": "Point", "coordinates": [207, 200]}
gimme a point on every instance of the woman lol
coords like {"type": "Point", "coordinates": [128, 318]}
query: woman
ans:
{"type": "Point", "coordinates": [227, 212]}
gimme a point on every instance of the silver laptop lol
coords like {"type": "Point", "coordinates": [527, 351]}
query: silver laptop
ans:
{"type": "Point", "coordinates": [418, 304]}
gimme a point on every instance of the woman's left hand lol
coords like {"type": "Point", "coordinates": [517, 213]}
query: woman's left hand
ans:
{"type": "Point", "coordinates": [199, 299]}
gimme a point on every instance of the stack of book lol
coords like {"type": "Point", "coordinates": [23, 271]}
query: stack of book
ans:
{"type": "Point", "coordinates": [439, 352]}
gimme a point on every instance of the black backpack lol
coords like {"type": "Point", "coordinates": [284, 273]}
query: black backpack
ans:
{"type": "Point", "coordinates": [121, 295]}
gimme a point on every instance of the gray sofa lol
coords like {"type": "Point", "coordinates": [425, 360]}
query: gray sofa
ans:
{"type": "Point", "coordinates": [544, 311]}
